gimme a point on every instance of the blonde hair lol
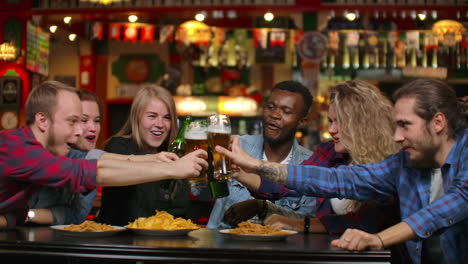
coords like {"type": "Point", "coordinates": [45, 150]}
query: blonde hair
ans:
{"type": "Point", "coordinates": [364, 115]}
{"type": "Point", "coordinates": [131, 127]}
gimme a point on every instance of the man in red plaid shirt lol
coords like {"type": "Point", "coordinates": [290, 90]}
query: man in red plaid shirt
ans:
{"type": "Point", "coordinates": [34, 155]}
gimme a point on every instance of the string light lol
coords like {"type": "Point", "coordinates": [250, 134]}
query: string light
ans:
{"type": "Point", "coordinates": [53, 28]}
{"type": "Point", "coordinates": [67, 19]}
{"type": "Point", "coordinates": [132, 18]}
{"type": "Point", "coordinates": [200, 17]}
{"type": "Point", "coordinates": [72, 37]}
{"type": "Point", "coordinates": [268, 16]}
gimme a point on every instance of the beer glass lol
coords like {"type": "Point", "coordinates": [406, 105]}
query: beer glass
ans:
{"type": "Point", "coordinates": [196, 138]}
{"type": "Point", "coordinates": [219, 133]}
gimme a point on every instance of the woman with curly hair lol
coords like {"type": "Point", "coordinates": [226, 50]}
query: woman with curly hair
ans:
{"type": "Point", "coordinates": [361, 126]}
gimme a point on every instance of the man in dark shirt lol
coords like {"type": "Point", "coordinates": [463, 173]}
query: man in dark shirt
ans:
{"type": "Point", "coordinates": [34, 155]}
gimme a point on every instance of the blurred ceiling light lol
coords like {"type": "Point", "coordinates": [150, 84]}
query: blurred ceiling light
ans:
{"type": "Point", "coordinates": [350, 16]}
{"type": "Point", "coordinates": [422, 15]}
{"type": "Point", "coordinates": [53, 29]}
{"type": "Point", "coordinates": [132, 18]}
{"type": "Point", "coordinates": [231, 14]}
{"type": "Point", "coordinates": [67, 19]}
{"type": "Point", "coordinates": [72, 37]}
{"type": "Point", "coordinates": [268, 16]}
{"type": "Point", "coordinates": [218, 14]}
{"type": "Point", "coordinates": [413, 14]}
{"type": "Point", "coordinates": [434, 14]}
{"type": "Point", "coordinates": [200, 17]}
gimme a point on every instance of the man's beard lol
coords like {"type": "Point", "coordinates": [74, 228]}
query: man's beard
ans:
{"type": "Point", "coordinates": [427, 151]}
{"type": "Point", "coordinates": [51, 142]}
{"type": "Point", "coordinates": [279, 140]}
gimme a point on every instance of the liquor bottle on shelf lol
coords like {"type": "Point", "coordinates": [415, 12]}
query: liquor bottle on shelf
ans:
{"type": "Point", "coordinates": [331, 63]}
{"type": "Point", "coordinates": [355, 57]}
{"type": "Point", "coordinates": [434, 62]}
{"type": "Point", "coordinates": [346, 61]}
{"type": "Point", "coordinates": [424, 58]}
{"type": "Point", "coordinates": [413, 57]}
{"type": "Point", "coordinates": [458, 59]}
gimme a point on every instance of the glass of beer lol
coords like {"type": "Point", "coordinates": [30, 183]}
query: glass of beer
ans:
{"type": "Point", "coordinates": [219, 133]}
{"type": "Point", "coordinates": [196, 137]}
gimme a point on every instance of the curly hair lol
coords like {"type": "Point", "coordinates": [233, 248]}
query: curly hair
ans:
{"type": "Point", "coordinates": [364, 115]}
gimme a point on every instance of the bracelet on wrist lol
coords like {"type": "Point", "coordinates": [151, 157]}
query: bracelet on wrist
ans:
{"type": "Point", "coordinates": [381, 241]}
{"type": "Point", "coordinates": [306, 224]}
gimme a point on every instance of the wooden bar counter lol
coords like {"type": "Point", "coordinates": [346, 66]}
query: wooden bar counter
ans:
{"type": "Point", "coordinates": [44, 245]}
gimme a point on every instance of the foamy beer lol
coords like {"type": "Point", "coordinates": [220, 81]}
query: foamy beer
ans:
{"type": "Point", "coordinates": [196, 138]}
{"type": "Point", "coordinates": [219, 133]}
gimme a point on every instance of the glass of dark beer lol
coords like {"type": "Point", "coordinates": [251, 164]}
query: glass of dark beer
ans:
{"type": "Point", "coordinates": [219, 133]}
{"type": "Point", "coordinates": [196, 137]}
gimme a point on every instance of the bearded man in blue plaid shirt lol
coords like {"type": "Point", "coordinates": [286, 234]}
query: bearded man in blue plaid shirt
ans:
{"type": "Point", "coordinates": [429, 175]}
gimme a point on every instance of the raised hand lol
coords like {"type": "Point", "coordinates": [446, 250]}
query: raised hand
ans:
{"type": "Point", "coordinates": [239, 157]}
{"type": "Point", "coordinates": [190, 165]}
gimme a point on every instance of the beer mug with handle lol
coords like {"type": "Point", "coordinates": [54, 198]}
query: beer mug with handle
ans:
{"type": "Point", "coordinates": [219, 133]}
{"type": "Point", "coordinates": [196, 137]}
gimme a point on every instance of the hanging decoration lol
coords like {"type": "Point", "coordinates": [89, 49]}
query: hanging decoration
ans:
{"type": "Point", "coordinates": [166, 33]}
{"type": "Point", "coordinates": [261, 37]}
{"type": "Point", "coordinates": [97, 31]}
{"type": "Point", "coordinates": [277, 37]}
{"type": "Point", "coordinates": [130, 32]}
{"type": "Point", "coordinates": [194, 32]}
{"type": "Point", "coordinates": [114, 31]}
{"type": "Point", "coordinates": [147, 33]}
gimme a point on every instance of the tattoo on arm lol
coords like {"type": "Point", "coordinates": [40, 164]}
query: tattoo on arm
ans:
{"type": "Point", "coordinates": [273, 171]}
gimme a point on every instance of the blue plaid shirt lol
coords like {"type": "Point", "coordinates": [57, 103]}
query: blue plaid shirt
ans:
{"type": "Point", "coordinates": [446, 216]}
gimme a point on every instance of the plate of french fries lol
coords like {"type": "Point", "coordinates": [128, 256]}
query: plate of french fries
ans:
{"type": "Point", "coordinates": [251, 231]}
{"type": "Point", "coordinates": [88, 229]}
{"type": "Point", "coordinates": [162, 224]}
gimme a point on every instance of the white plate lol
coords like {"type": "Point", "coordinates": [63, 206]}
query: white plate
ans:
{"type": "Point", "coordinates": [258, 237]}
{"type": "Point", "coordinates": [160, 232]}
{"type": "Point", "coordinates": [60, 229]}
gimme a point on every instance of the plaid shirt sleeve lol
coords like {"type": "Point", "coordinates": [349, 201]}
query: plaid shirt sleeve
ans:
{"type": "Point", "coordinates": [25, 163]}
{"type": "Point", "coordinates": [273, 191]}
{"type": "Point", "coordinates": [358, 182]}
{"type": "Point", "coordinates": [35, 164]}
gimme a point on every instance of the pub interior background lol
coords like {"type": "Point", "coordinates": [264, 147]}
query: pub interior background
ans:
{"type": "Point", "coordinates": [225, 55]}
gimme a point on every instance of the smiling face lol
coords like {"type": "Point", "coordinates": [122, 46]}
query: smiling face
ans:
{"type": "Point", "coordinates": [334, 130]}
{"type": "Point", "coordinates": [414, 134]}
{"type": "Point", "coordinates": [282, 114]}
{"type": "Point", "coordinates": [64, 127]}
{"type": "Point", "coordinates": [155, 123]}
{"type": "Point", "coordinates": [91, 123]}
